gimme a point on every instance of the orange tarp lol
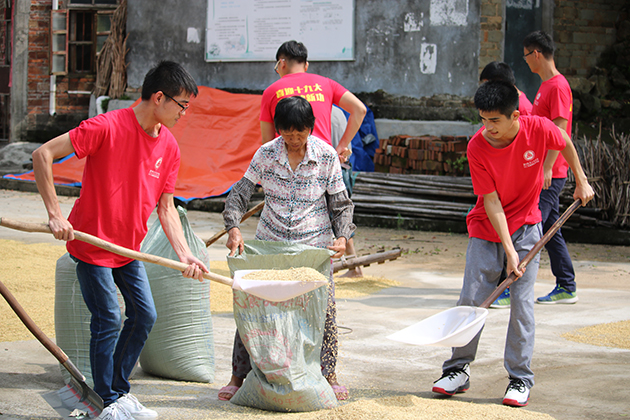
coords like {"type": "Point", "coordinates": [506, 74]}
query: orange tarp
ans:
{"type": "Point", "coordinates": [217, 136]}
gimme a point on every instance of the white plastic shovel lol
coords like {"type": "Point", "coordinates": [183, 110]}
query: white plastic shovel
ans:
{"type": "Point", "coordinates": [276, 291]}
{"type": "Point", "coordinates": [455, 327]}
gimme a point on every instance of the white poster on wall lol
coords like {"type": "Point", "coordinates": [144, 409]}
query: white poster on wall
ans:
{"type": "Point", "coordinates": [252, 30]}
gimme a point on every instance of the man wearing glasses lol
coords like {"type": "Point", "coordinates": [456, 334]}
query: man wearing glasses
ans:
{"type": "Point", "coordinates": [554, 101]}
{"type": "Point", "coordinates": [132, 160]}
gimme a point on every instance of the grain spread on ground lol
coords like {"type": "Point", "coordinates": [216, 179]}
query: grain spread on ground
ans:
{"type": "Point", "coordinates": [614, 334]}
{"type": "Point", "coordinates": [303, 274]}
{"type": "Point", "coordinates": [28, 271]}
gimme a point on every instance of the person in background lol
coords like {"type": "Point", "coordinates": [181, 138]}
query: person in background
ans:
{"type": "Point", "coordinates": [554, 101]}
{"type": "Point", "coordinates": [502, 71]}
{"type": "Point", "coordinates": [132, 160]}
{"type": "Point", "coordinates": [506, 164]}
{"type": "Point", "coordinates": [321, 92]}
{"type": "Point", "coordinates": [312, 213]}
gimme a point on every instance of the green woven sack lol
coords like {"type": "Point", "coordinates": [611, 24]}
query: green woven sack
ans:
{"type": "Point", "coordinates": [180, 345]}
{"type": "Point", "coordinates": [283, 339]}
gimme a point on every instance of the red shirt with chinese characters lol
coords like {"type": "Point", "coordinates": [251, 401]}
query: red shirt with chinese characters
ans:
{"type": "Point", "coordinates": [126, 172]}
{"type": "Point", "coordinates": [321, 92]}
{"type": "Point", "coordinates": [515, 172]}
{"type": "Point", "coordinates": [555, 99]}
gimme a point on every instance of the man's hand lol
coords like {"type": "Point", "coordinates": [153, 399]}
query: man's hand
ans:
{"type": "Point", "coordinates": [512, 265]}
{"type": "Point", "coordinates": [61, 228]}
{"type": "Point", "coordinates": [235, 241]}
{"type": "Point", "coordinates": [195, 268]}
{"type": "Point", "coordinates": [584, 192]}
{"type": "Point", "coordinates": [339, 246]}
{"type": "Point", "coordinates": [344, 154]}
{"type": "Point", "coordinates": [547, 178]}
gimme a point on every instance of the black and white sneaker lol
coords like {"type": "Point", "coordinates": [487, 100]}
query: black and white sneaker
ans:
{"type": "Point", "coordinates": [453, 381]}
{"type": "Point", "coordinates": [516, 394]}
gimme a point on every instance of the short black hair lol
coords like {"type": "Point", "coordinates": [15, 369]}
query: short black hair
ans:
{"type": "Point", "coordinates": [498, 70]}
{"type": "Point", "coordinates": [540, 41]}
{"type": "Point", "coordinates": [292, 51]}
{"type": "Point", "coordinates": [170, 78]}
{"type": "Point", "coordinates": [294, 113]}
{"type": "Point", "coordinates": [497, 95]}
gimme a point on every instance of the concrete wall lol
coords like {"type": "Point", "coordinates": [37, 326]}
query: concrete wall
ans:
{"type": "Point", "coordinates": [395, 45]}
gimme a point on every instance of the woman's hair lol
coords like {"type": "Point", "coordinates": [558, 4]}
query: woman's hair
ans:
{"type": "Point", "coordinates": [170, 78]}
{"type": "Point", "coordinates": [294, 113]}
{"type": "Point", "coordinates": [497, 95]}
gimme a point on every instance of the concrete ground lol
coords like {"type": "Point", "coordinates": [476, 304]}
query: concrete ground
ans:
{"type": "Point", "coordinates": [573, 380]}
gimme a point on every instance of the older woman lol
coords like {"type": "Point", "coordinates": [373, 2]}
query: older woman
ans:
{"type": "Point", "coordinates": [305, 202]}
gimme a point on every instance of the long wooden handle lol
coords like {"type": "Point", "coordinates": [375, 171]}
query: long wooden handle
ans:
{"type": "Point", "coordinates": [246, 216]}
{"type": "Point", "coordinates": [116, 249]}
{"type": "Point", "coordinates": [30, 324]}
{"type": "Point", "coordinates": [532, 253]}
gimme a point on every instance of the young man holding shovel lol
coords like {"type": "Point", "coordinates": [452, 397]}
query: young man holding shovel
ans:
{"type": "Point", "coordinates": [131, 166]}
{"type": "Point", "coordinates": [506, 165]}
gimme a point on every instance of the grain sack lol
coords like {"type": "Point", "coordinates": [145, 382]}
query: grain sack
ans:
{"type": "Point", "coordinates": [283, 339]}
{"type": "Point", "coordinates": [72, 318]}
{"type": "Point", "coordinates": [180, 345]}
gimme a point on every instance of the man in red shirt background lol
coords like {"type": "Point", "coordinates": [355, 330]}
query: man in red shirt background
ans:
{"type": "Point", "coordinates": [554, 101]}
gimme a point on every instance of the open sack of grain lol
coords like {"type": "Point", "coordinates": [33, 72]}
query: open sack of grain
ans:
{"type": "Point", "coordinates": [283, 339]}
{"type": "Point", "coordinates": [181, 344]}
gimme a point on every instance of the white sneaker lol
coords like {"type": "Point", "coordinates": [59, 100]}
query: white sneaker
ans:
{"type": "Point", "coordinates": [115, 411]}
{"type": "Point", "coordinates": [453, 381]}
{"type": "Point", "coordinates": [516, 394]}
{"type": "Point", "coordinates": [137, 410]}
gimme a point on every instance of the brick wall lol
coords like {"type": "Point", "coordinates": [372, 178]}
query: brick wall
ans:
{"type": "Point", "coordinates": [491, 45]}
{"type": "Point", "coordinates": [582, 30]}
{"type": "Point", "coordinates": [71, 108]}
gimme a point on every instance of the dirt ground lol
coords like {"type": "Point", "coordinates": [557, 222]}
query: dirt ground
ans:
{"type": "Point", "coordinates": [429, 270]}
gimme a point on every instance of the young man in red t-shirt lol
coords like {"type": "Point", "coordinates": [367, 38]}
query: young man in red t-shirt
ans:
{"type": "Point", "coordinates": [322, 93]}
{"type": "Point", "coordinates": [554, 101]}
{"type": "Point", "coordinates": [132, 160]}
{"type": "Point", "coordinates": [502, 71]}
{"type": "Point", "coordinates": [506, 165]}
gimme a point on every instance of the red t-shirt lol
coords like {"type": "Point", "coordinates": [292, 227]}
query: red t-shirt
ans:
{"type": "Point", "coordinates": [524, 106]}
{"type": "Point", "coordinates": [514, 172]}
{"type": "Point", "coordinates": [554, 99]}
{"type": "Point", "coordinates": [126, 172]}
{"type": "Point", "coordinates": [321, 92]}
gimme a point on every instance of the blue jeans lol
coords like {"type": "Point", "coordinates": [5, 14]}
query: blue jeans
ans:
{"type": "Point", "coordinates": [559, 257]}
{"type": "Point", "coordinates": [114, 352]}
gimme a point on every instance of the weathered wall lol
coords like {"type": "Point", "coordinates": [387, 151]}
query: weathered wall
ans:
{"type": "Point", "coordinates": [390, 37]}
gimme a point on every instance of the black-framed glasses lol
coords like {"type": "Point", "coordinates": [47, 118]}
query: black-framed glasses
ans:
{"type": "Point", "coordinates": [529, 53]}
{"type": "Point", "coordinates": [182, 106]}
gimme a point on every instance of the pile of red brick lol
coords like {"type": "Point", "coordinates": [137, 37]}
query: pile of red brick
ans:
{"type": "Point", "coordinates": [429, 155]}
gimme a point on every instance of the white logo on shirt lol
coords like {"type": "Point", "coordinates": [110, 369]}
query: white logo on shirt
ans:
{"type": "Point", "coordinates": [538, 96]}
{"type": "Point", "coordinates": [529, 155]}
{"type": "Point", "coordinates": [158, 163]}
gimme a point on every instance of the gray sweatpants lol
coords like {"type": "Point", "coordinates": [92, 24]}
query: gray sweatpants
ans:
{"type": "Point", "coordinates": [484, 263]}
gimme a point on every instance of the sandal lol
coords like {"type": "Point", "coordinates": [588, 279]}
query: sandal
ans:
{"type": "Point", "coordinates": [230, 390]}
{"type": "Point", "coordinates": [341, 392]}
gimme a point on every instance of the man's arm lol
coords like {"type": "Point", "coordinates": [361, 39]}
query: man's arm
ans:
{"type": "Point", "coordinates": [495, 213]}
{"type": "Point", "coordinates": [172, 226]}
{"type": "Point", "coordinates": [552, 155]}
{"type": "Point", "coordinates": [268, 131]}
{"type": "Point", "coordinates": [43, 158]}
{"type": "Point", "coordinates": [583, 190]}
{"type": "Point", "coordinates": [357, 111]}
